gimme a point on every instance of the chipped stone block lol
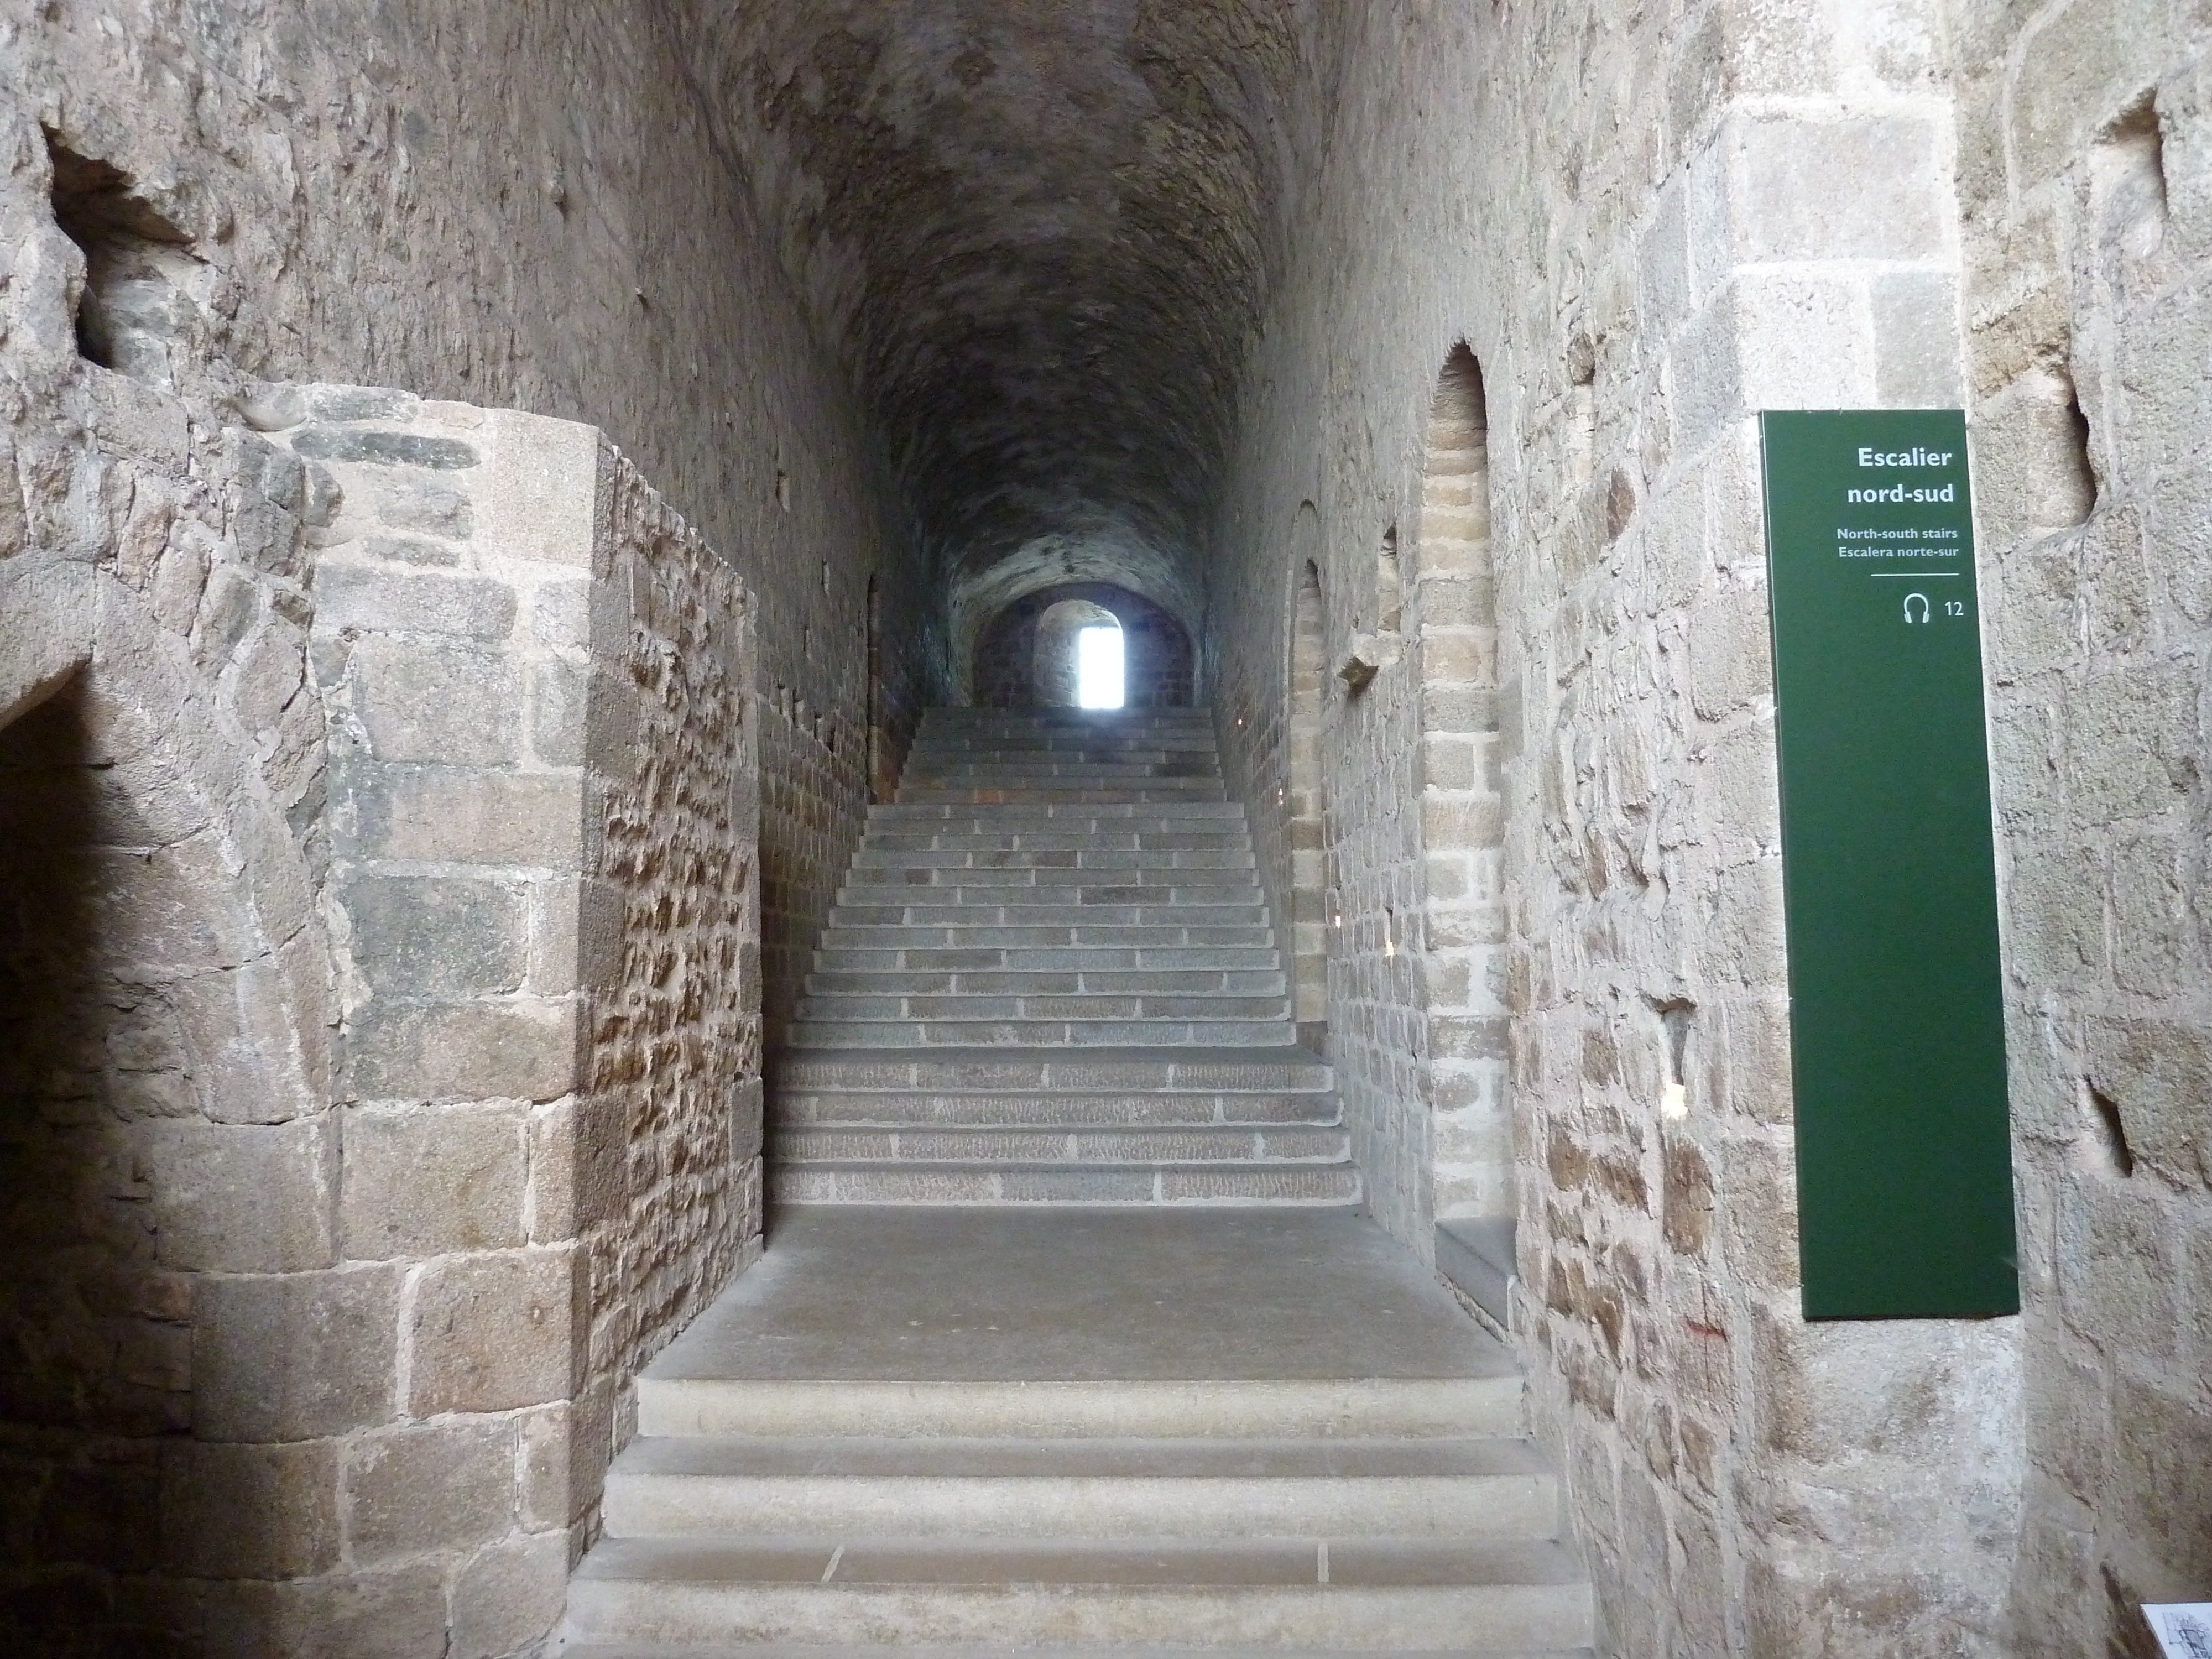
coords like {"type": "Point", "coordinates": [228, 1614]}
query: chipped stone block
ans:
{"type": "Point", "coordinates": [295, 1356]}
{"type": "Point", "coordinates": [455, 815]}
{"type": "Point", "coordinates": [427, 1487]}
{"type": "Point", "coordinates": [243, 1197]}
{"type": "Point", "coordinates": [381, 599]}
{"type": "Point", "coordinates": [425, 1181]}
{"type": "Point", "coordinates": [437, 937]}
{"type": "Point", "coordinates": [1854, 187]}
{"type": "Point", "coordinates": [247, 1511]}
{"type": "Point", "coordinates": [394, 1613]}
{"type": "Point", "coordinates": [495, 1332]}
{"type": "Point", "coordinates": [373, 448]}
{"type": "Point", "coordinates": [520, 1048]}
{"type": "Point", "coordinates": [443, 702]}
{"type": "Point", "coordinates": [508, 1595]}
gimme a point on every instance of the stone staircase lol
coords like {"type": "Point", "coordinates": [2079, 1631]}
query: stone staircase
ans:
{"type": "Point", "coordinates": [1012, 1431]}
{"type": "Point", "coordinates": [1050, 978]}
{"type": "Point", "coordinates": [1074, 1341]}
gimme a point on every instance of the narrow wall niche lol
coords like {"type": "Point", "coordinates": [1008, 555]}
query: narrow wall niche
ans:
{"type": "Point", "coordinates": [1390, 584]}
{"type": "Point", "coordinates": [1676, 1014]}
{"type": "Point", "coordinates": [1466, 1079]}
{"type": "Point", "coordinates": [1582, 406]}
{"type": "Point", "coordinates": [1307, 669]}
{"type": "Point", "coordinates": [881, 784]}
{"type": "Point", "coordinates": [2127, 183]}
{"type": "Point", "coordinates": [140, 315]}
{"type": "Point", "coordinates": [2108, 1131]}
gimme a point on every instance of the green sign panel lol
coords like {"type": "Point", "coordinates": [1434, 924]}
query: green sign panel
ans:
{"type": "Point", "coordinates": [1897, 1031]}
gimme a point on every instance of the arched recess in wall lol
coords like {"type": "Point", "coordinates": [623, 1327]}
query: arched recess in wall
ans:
{"type": "Point", "coordinates": [1466, 1080]}
{"type": "Point", "coordinates": [1158, 654]}
{"type": "Point", "coordinates": [1308, 670]}
{"type": "Point", "coordinates": [163, 1127]}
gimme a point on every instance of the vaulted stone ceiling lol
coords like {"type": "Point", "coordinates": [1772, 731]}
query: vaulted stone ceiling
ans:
{"type": "Point", "coordinates": [1039, 230]}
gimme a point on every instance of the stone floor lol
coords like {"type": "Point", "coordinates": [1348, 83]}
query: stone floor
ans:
{"type": "Point", "coordinates": [1083, 1295]}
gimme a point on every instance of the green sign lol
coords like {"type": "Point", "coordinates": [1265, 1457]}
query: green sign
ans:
{"type": "Point", "coordinates": [1897, 1028]}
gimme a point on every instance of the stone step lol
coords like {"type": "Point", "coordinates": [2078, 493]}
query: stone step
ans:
{"type": "Point", "coordinates": [1375, 1596]}
{"type": "Point", "coordinates": [1227, 1409]}
{"type": "Point", "coordinates": [1117, 892]}
{"type": "Point", "coordinates": [1163, 1109]}
{"type": "Point", "coordinates": [1075, 775]}
{"type": "Point", "coordinates": [1022, 908]}
{"type": "Point", "coordinates": [952, 717]}
{"type": "Point", "coordinates": [1183, 754]}
{"type": "Point", "coordinates": [1152, 794]}
{"type": "Point", "coordinates": [1161, 913]}
{"type": "Point", "coordinates": [1047, 771]}
{"type": "Point", "coordinates": [1145, 884]}
{"type": "Point", "coordinates": [691, 1486]}
{"type": "Point", "coordinates": [1040, 982]}
{"type": "Point", "coordinates": [907, 1650]}
{"type": "Point", "coordinates": [968, 1007]}
{"type": "Point", "coordinates": [1167, 815]}
{"type": "Point", "coordinates": [1001, 1070]}
{"type": "Point", "coordinates": [1087, 1145]}
{"type": "Point", "coordinates": [1230, 853]}
{"type": "Point", "coordinates": [1016, 824]}
{"type": "Point", "coordinates": [1041, 1033]}
{"type": "Point", "coordinates": [928, 959]}
{"type": "Point", "coordinates": [1406, 1409]}
{"type": "Point", "coordinates": [869, 1181]}
{"type": "Point", "coordinates": [1049, 839]}
{"type": "Point", "coordinates": [1135, 737]}
{"type": "Point", "coordinates": [1095, 726]}
{"type": "Point", "coordinates": [989, 734]}
{"type": "Point", "coordinates": [1050, 903]}
{"type": "Point", "coordinates": [969, 934]}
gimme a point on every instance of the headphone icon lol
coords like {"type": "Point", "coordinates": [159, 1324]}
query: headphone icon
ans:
{"type": "Point", "coordinates": [1909, 600]}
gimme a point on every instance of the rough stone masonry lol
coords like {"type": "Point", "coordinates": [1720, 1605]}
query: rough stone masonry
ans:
{"type": "Point", "coordinates": [416, 805]}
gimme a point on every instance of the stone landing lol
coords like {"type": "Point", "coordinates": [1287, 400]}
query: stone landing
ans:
{"type": "Point", "coordinates": [990, 1429]}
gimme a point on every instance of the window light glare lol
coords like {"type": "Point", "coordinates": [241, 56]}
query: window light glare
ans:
{"type": "Point", "coordinates": [1098, 668]}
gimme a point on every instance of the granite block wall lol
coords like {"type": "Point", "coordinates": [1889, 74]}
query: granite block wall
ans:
{"type": "Point", "coordinates": [1645, 225]}
{"type": "Point", "coordinates": [2084, 158]}
{"type": "Point", "coordinates": [327, 198]}
{"type": "Point", "coordinates": [381, 943]}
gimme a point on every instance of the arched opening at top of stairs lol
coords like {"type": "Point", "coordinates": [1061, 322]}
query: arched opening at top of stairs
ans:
{"type": "Point", "coordinates": [1065, 669]}
{"type": "Point", "coordinates": [1025, 658]}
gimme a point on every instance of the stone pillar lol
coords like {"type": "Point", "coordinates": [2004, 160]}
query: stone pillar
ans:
{"type": "Point", "coordinates": [540, 822]}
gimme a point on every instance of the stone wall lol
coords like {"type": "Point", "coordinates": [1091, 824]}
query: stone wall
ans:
{"type": "Point", "coordinates": [324, 197]}
{"type": "Point", "coordinates": [170, 1151]}
{"type": "Point", "coordinates": [543, 806]}
{"type": "Point", "coordinates": [381, 941]}
{"type": "Point", "coordinates": [2084, 189]}
{"type": "Point", "coordinates": [1648, 224]}
{"type": "Point", "coordinates": [347, 1346]}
